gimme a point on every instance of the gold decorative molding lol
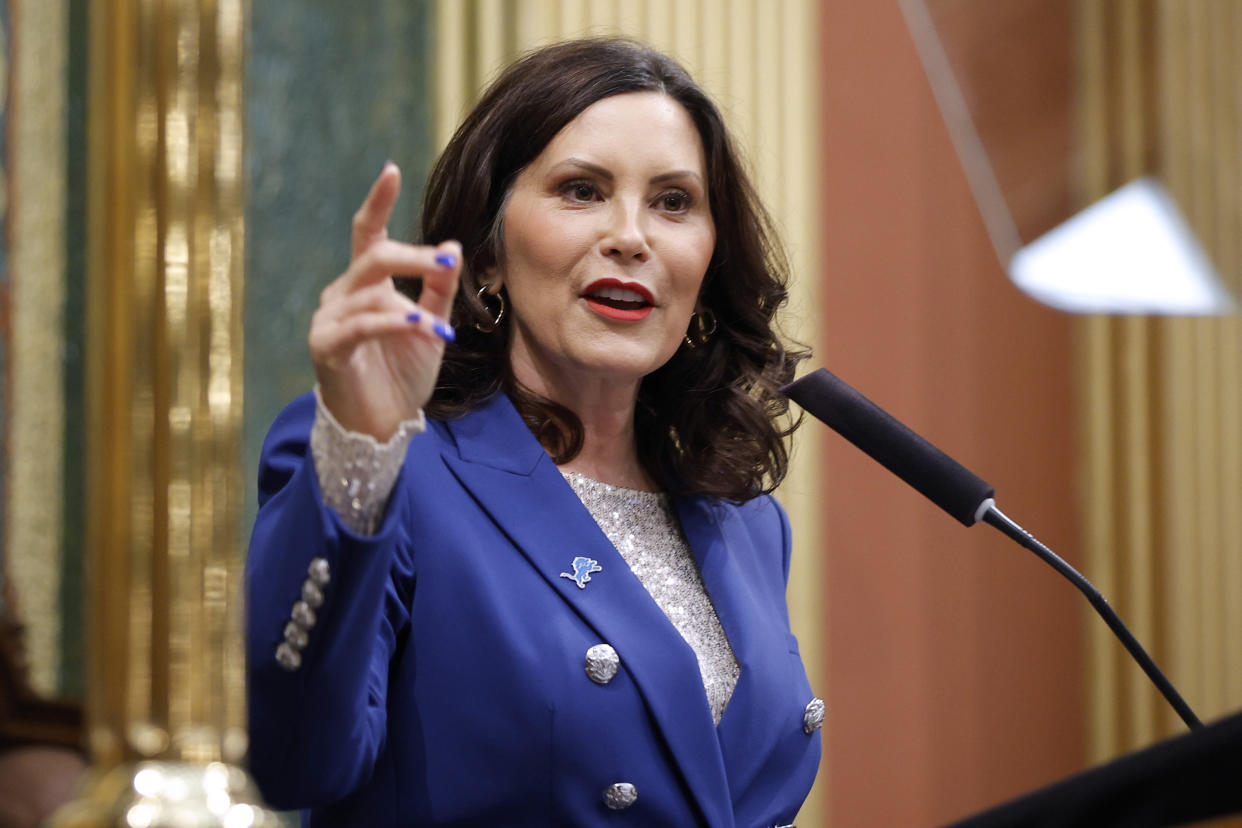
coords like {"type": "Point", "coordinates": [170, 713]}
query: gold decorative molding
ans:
{"type": "Point", "coordinates": [35, 396]}
{"type": "Point", "coordinates": [759, 61]}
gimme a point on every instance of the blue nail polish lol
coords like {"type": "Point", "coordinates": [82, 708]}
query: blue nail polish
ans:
{"type": "Point", "coordinates": [414, 317]}
{"type": "Point", "coordinates": [446, 259]}
{"type": "Point", "coordinates": [444, 331]}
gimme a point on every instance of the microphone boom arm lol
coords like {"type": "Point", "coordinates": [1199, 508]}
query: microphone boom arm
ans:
{"type": "Point", "coordinates": [995, 517]}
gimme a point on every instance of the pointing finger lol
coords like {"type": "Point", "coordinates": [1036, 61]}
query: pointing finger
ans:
{"type": "Point", "coordinates": [371, 220]}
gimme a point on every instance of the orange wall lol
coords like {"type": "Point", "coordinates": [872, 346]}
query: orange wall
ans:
{"type": "Point", "coordinates": [956, 666]}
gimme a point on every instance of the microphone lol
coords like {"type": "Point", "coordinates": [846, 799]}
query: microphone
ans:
{"type": "Point", "coordinates": [939, 477]}
{"type": "Point", "coordinates": [955, 489]}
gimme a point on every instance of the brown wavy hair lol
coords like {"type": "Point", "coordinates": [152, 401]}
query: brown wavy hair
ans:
{"type": "Point", "coordinates": [711, 420]}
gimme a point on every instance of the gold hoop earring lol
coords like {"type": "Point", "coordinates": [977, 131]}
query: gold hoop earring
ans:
{"type": "Point", "coordinates": [494, 323]}
{"type": "Point", "coordinates": [705, 322]}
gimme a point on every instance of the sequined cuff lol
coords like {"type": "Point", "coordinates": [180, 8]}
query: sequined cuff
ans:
{"type": "Point", "coordinates": [356, 471]}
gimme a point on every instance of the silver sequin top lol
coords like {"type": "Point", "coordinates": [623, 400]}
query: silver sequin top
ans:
{"type": "Point", "coordinates": [645, 530]}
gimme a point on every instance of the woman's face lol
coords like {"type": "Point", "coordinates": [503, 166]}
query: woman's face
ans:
{"type": "Point", "coordinates": [607, 235]}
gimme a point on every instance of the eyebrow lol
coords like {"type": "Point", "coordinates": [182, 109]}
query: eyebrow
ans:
{"type": "Point", "coordinates": [606, 174]}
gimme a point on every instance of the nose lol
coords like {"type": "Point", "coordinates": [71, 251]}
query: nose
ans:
{"type": "Point", "coordinates": [625, 236]}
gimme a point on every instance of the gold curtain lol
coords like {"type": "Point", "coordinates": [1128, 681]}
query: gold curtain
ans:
{"type": "Point", "coordinates": [758, 60]}
{"type": "Point", "coordinates": [1161, 94]}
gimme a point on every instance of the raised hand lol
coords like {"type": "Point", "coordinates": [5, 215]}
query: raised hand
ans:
{"type": "Point", "coordinates": [377, 353]}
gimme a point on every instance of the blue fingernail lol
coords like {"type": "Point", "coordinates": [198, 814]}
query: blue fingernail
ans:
{"type": "Point", "coordinates": [444, 331]}
{"type": "Point", "coordinates": [446, 259]}
{"type": "Point", "coordinates": [414, 317]}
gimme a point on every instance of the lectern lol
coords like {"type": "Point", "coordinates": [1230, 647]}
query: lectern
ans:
{"type": "Point", "coordinates": [1183, 780]}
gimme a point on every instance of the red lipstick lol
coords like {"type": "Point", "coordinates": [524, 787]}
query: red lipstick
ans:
{"type": "Point", "coordinates": [623, 301]}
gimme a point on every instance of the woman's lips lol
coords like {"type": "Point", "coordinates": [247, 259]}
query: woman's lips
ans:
{"type": "Point", "coordinates": [614, 299]}
{"type": "Point", "coordinates": [624, 314]}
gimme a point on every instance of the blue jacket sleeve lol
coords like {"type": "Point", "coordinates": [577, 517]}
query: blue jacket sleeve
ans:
{"type": "Point", "coordinates": [315, 731]}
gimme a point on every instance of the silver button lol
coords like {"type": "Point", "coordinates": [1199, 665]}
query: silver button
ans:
{"type": "Point", "coordinates": [295, 634]}
{"type": "Point", "coordinates": [620, 795]}
{"type": "Point", "coordinates": [303, 614]}
{"type": "Point", "coordinates": [288, 657]}
{"type": "Point", "coordinates": [319, 572]}
{"type": "Point", "coordinates": [602, 663]}
{"type": "Point", "coordinates": [813, 718]}
{"type": "Point", "coordinates": [311, 594]}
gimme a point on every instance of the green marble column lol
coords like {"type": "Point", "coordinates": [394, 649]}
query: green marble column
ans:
{"type": "Point", "coordinates": [333, 90]}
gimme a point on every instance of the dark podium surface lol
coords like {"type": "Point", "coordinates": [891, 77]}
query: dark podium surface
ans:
{"type": "Point", "coordinates": [1186, 779]}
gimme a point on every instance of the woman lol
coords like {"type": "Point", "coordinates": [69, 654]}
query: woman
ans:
{"type": "Point", "coordinates": [558, 598]}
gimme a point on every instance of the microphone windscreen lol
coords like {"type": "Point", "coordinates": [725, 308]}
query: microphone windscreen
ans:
{"type": "Point", "coordinates": [938, 476]}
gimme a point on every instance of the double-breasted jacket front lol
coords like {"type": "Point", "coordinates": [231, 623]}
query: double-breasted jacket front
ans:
{"type": "Point", "coordinates": [441, 680]}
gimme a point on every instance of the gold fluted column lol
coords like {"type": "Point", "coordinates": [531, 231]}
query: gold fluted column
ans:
{"type": "Point", "coordinates": [1163, 397]}
{"type": "Point", "coordinates": [758, 61]}
{"type": "Point", "coordinates": [165, 253]}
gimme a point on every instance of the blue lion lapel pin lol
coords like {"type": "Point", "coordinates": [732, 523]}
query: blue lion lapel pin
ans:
{"type": "Point", "coordinates": [582, 569]}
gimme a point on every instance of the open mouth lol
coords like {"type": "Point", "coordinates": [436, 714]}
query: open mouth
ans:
{"type": "Point", "coordinates": [616, 300]}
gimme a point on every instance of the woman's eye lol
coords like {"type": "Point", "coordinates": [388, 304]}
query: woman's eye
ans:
{"type": "Point", "coordinates": [676, 201]}
{"type": "Point", "coordinates": [579, 191]}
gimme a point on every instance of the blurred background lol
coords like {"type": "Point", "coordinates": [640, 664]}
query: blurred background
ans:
{"type": "Point", "coordinates": [958, 671]}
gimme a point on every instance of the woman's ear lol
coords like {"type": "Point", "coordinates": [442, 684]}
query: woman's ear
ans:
{"type": "Point", "coordinates": [492, 280]}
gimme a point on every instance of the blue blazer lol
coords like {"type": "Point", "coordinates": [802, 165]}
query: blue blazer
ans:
{"type": "Point", "coordinates": [443, 681]}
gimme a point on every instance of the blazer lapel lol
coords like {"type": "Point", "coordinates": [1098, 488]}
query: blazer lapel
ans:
{"type": "Point", "coordinates": [753, 623]}
{"type": "Point", "coordinates": [726, 585]}
{"type": "Point", "coordinates": [515, 481]}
